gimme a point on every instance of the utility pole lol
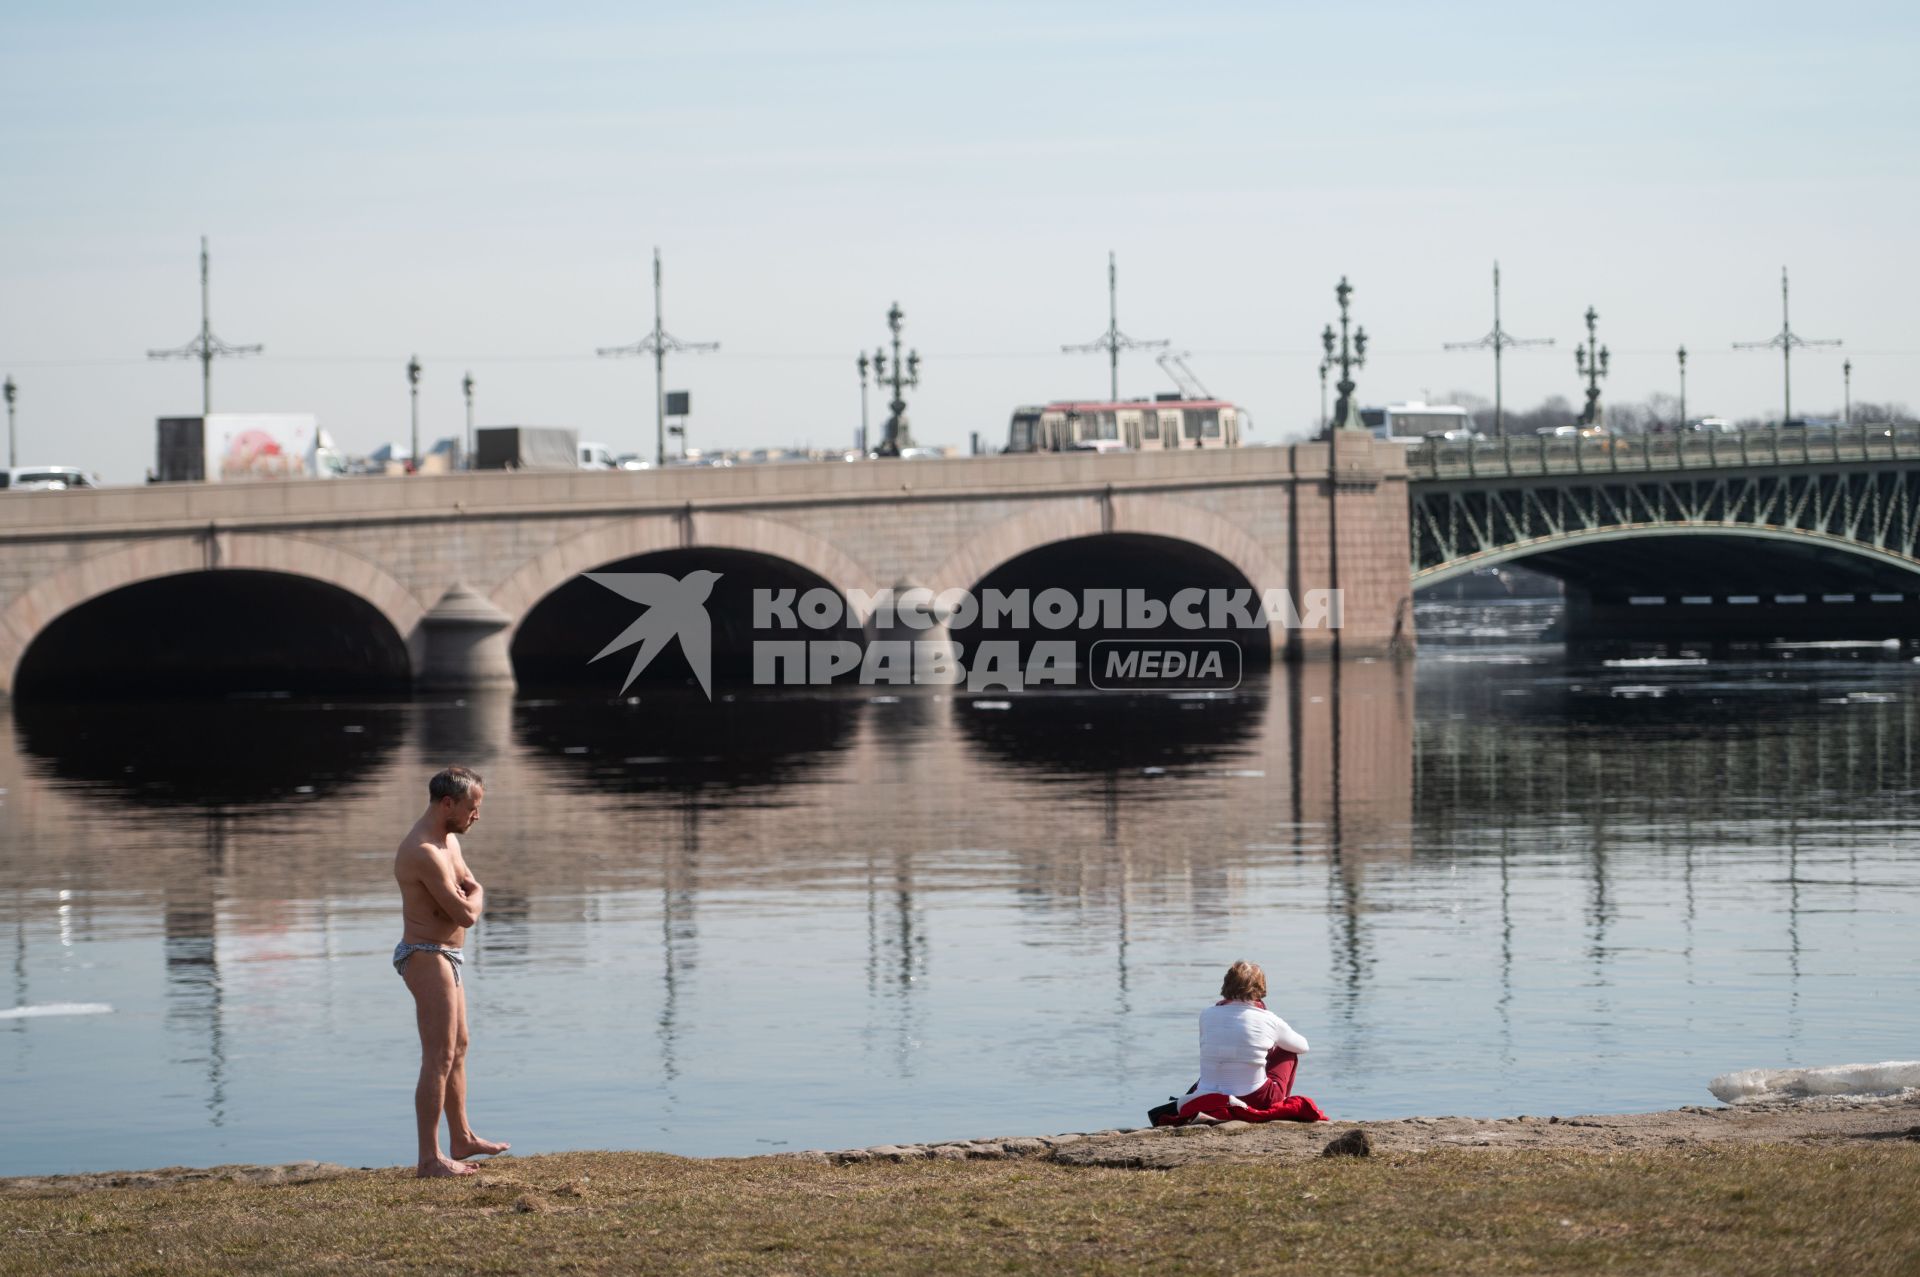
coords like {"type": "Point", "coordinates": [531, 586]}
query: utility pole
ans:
{"type": "Point", "coordinates": [1786, 339]}
{"type": "Point", "coordinates": [865, 364]}
{"type": "Point", "coordinates": [906, 375]}
{"type": "Point", "coordinates": [1681, 428]}
{"type": "Point", "coordinates": [1498, 340]}
{"type": "Point", "coordinates": [1591, 359]}
{"type": "Point", "coordinates": [1846, 374]}
{"type": "Point", "coordinates": [413, 389]}
{"type": "Point", "coordinates": [1113, 341]}
{"type": "Point", "coordinates": [206, 346]}
{"type": "Point", "coordinates": [466, 388]}
{"type": "Point", "coordinates": [11, 391]}
{"type": "Point", "coordinates": [1352, 355]}
{"type": "Point", "coordinates": [657, 343]}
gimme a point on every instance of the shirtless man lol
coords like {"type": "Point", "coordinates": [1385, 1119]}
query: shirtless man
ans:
{"type": "Point", "coordinates": [439, 900]}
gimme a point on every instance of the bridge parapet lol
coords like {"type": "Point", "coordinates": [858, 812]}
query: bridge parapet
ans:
{"type": "Point", "coordinates": [1645, 454]}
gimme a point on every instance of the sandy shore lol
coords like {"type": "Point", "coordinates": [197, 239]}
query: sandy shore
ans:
{"type": "Point", "coordinates": [1818, 1122]}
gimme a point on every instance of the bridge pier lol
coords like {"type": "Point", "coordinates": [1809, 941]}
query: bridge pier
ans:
{"type": "Point", "coordinates": [1349, 526]}
{"type": "Point", "coordinates": [462, 644]}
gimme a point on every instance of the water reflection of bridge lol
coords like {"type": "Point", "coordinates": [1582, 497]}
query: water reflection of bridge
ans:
{"type": "Point", "coordinates": [1662, 783]}
{"type": "Point", "coordinates": [1089, 808]}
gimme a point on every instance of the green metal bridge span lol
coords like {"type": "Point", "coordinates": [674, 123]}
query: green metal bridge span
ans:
{"type": "Point", "coordinates": [1795, 533]}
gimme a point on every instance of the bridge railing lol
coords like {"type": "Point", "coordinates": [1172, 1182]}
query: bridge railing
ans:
{"type": "Point", "coordinates": [1772, 446]}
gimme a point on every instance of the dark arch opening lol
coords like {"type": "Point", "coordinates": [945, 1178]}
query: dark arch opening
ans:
{"type": "Point", "coordinates": [556, 644]}
{"type": "Point", "coordinates": [234, 631]}
{"type": "Point", "coordinates": [1697, 587]}
{"type": "Point", "coordinates": [1158, 567]}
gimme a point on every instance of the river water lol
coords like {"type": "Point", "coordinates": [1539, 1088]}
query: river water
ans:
{"type": "Point", "coordinates": [1496, 882]}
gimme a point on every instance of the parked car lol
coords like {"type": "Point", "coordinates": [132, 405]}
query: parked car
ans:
{"type": "Point", "coordinates": [46, 478]}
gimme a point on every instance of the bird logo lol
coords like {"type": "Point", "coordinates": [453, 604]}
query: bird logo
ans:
{"type": "Point", "coordinates": [676, 608]}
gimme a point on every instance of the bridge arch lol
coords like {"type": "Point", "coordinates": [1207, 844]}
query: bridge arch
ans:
{"type": "Point", "coordinates": [653, 534]}
{"type": "Point", "coordinates": [1128, 514]}
{"type": "Point", "coordinates": [30, 614]}
{"type": "Point", "coordinates": [1799, 538]}
{"type": "Point", "coordinates": [556, 619]}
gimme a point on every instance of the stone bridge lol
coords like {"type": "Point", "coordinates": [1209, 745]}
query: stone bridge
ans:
{"type": "Point", "coordinates": [1774, 533]}
{"type": "Point", "coordinates": [475, 578]}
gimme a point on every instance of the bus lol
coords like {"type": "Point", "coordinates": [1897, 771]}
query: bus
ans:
{"type": "Point", "coordinates": [1140, 425]}
{"type": "Point", "coordinates": [1418, 422]}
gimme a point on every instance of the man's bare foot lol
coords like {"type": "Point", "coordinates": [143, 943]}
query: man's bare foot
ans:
{"type": "Point", "coordinates": [477, 1147]}
{"type": "Point", "coordinates": [444, 1167]}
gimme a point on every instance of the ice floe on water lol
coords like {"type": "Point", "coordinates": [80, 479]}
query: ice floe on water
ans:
{"type": "Point", "coordinates": [55, 1008]}
{"type": "Point", "coordinates": [1652, 662]}
{"type": "Point", "coordinates": [1749, 1086]}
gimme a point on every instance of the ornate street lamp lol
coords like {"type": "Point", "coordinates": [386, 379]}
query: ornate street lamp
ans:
{"type": "Point", "coordinates": [1352, 354]}
{"type": "Point", "coordinates": [1683, 390]}
{"type": "Point", "coordinates": [1323, 393]}
{"type": "Point", "coordinates": [413, 389]}
{"type": "Point", "coordinates": [866, 365]}
{"type": "Point", "coordinates": [1591, 359]}
{"type": "Point", "coordinates": [11, 391]}
{"type": "Point", "coordinates": [466, 389]}
{"type": "Point", "coordinates": [905, 376]}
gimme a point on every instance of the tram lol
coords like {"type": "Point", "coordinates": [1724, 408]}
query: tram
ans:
{"type": "Point", "coordinates": [1141, 425]}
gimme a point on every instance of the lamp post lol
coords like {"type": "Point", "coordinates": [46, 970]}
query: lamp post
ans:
{"type": "Point", "coordinates": [1352, 355]}
{"type": "Point", "coordinates": [1323, 393]}
{"type": "Point", "coordinates": [1846, 373]}
{"type": "Point", "coordinates": [413, 390]}
{"type": "Point", "coordinates": [466, 388]}
{"type": "Point", "coordinates": [1591, 359]}
{"type": "Point", "coordinates": [1683, 391]}
{"type": "Point", "coordinates": [905, 376]}
{"type": "Point", "coordinates": [865, 365]}
{"type": "Point", "coordinates": [11, 391]}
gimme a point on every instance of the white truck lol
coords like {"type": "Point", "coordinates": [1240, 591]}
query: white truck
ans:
{"type": "Point", "coordinates": [227, 447]}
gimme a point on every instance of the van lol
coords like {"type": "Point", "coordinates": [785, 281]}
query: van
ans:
{"type": "Point", "coordinates": [45, 478]}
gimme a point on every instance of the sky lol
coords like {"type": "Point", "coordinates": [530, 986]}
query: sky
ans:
{"type": "Point", "coordinates": [483, 185]}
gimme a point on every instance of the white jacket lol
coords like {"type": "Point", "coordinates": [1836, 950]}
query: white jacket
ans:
{"type": "Point", "coordinates": [1234, 1040]}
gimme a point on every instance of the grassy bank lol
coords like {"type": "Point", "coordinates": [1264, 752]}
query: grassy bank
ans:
{"type": "Point", "coordinates": [1769, 1209]}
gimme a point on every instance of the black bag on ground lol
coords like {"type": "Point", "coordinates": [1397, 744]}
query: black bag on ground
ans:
{"type": "Point", "coordinates": [1167, 1114]}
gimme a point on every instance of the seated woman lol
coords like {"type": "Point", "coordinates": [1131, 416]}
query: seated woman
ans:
{"type": "Point", "coordinates": [1247, 1058]}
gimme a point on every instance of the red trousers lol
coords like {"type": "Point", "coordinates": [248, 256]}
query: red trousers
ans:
{"type": "Point", "coordinates": [1271, 1101]}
